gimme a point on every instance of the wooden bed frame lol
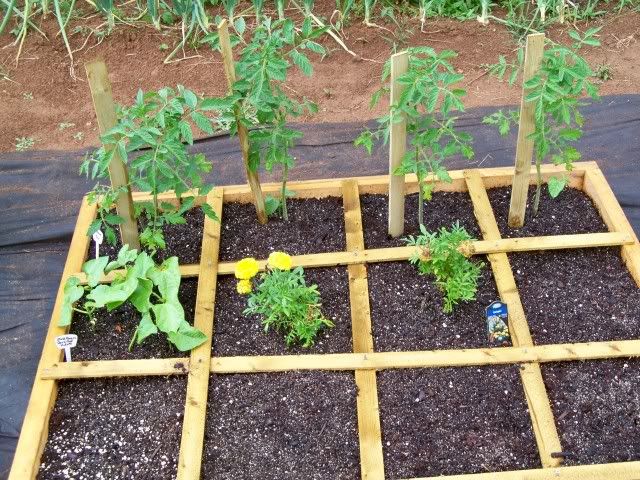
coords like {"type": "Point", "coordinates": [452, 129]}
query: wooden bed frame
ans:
{"type": "Point", "coordinates": [364, 361]}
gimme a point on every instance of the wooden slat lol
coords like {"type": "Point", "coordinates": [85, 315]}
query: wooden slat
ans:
{"type": "Point", "coordinates": [369, 431]}
{"type": "Point", "coordinates": [421, 359]}
{"type": "Point", "coordinates": [534, 51]}
{"type": "Point", "coordinates": [596, 186]}
{"type": "Point", "coordinates": [373, 255]}
{"type": "Point", "coordinates": [191, 445]}
{"type": "Point", "coordinates": [36, 420]}
{"type": "Point", "coordinates": [397, 148]}
{"type": "Point", "coordinates": [539, 408]}
{"type": "Point", "coordinates": [608, 471]}
{"type": "Point", "coordinates": [116, 368]}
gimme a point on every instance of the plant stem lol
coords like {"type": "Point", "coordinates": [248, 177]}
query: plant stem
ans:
{"type": "Point", "coordinates": [420, 204]}
{"type": "Point", "coordinates": [133, 338]}
{"type": "Point", "coordinates": [285, 173]}
{"type": "Point", "coordinates": [536, 200]}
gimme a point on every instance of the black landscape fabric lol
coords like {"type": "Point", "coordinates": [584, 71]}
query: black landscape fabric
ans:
{"type": "Point", "coordinates": [40, 195]}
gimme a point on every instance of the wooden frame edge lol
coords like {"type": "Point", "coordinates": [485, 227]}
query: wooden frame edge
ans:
{"type": "Point", "coordinates": [34, 431]}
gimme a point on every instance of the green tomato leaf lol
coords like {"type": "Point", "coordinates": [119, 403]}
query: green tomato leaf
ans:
{"type": "Point", "coordinates": [556, 185]}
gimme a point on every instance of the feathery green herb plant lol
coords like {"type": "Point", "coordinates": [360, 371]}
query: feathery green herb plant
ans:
{"type": "Point", "coordinates": [439, 255]}
{"type": "Point", "coordinates": [427, 102]}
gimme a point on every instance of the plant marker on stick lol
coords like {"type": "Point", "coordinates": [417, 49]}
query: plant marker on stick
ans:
{"type": "Point", "coordinates": [98, 237]}
{"type": "Point", "coordinates": [66, 343]}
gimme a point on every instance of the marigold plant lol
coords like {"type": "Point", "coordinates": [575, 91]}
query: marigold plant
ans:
{"type": "Point", "coordinates": [284, 300]}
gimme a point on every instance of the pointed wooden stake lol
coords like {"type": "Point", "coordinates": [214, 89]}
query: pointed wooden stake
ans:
{"type": "Point", "coordinates": [397, 148]}
{"type": "Point", "coordinates": [243, 134]}
{"type": "Point", "coordinates": [524, 150]}
{"type": "Point", "coordinates": [106, 114]}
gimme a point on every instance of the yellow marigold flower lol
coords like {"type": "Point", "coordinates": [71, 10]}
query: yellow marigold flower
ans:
{"type": "Point", "coordinates": [279, 260]}
{"type": "Point", "coordinates": [244, 287]}
{"type": "Point", "coordinates": [246, 269]}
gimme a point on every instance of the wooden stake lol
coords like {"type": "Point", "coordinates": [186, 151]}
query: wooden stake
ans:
{"type": "Point", "coordinates": [243, 134]}
{"type": "Point", "coordinates": [106, 113]}
{"type": "Point", "coordinates": [524, 149]}
{"type": "Point", "coordinates": [397, 148]}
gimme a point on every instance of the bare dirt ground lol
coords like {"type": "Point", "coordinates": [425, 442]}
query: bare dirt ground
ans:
{"type": "Point", "coordinates": [39, 99]}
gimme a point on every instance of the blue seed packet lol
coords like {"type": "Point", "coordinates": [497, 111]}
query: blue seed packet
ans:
{"type": "Point", "coordinates": [497, 324]}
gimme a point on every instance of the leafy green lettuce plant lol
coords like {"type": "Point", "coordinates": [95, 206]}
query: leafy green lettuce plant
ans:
{"type": "Point", "coordinates": [563, 79]}
{"type": "Point", "coordinates": [151, 289]}
{"type": "Point", "coordinates": [441, 254]}
{"type": "Point", "coordinates": [158, 127]}
{"type": "Point", "coordinates": [260, 97]}
{"type": "Point", "coordinates": [427, 102]}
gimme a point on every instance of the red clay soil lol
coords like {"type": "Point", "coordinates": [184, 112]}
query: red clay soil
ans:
{"type": "Point", "coordinates": [341, 85]}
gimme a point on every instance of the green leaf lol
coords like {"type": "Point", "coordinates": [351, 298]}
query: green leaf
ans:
{"type": "Point", "coordinates": [302, 62]}
{"type": "Point", "coordinates": [146, 327]}
{"type": "Point", "coordinates": [187, 337]}
{"type": "Point", "coordinates": [73, 292]}
{"type": "Point", "coordinates": [240, 25]}
{"type": "Point", "coordinates": [210, 212]}
{"type": "Point", "coordinates": [271, 205]}
{"type": "Point", "coordinates": [141, 296]}
{"type": "Point", "coordinates": [114, 295]}
{"type": "Point", "coordinates": [556, 185]}
{"type": "Point", "coordinates": [168, 316]}
{"type": "Point", "coordinates": [167, 278]}
{"type": "Point", "coordinates": [202, 122]}
{"type": "Point", "coordinates": [185, 132]}
{"type": "Point", "coordinates": [142, 264]}
{"type": "Point", "coordinates": [95, 270]}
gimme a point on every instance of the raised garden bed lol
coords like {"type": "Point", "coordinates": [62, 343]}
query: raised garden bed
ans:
{"type": "Point", "coordinates": [368, 424]}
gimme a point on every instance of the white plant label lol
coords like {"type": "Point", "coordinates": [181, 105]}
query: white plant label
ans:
{"type": "Point", "coordinates": [98, 237]}
{"type": "Point", "coordinates": [66, 343]}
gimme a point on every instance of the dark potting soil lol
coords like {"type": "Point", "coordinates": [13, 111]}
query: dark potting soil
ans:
{"type": "Point", "coordinates": [571, 212]}
{"type": "Point", "coordinates": [596, 406]}
{"type": "Point", "coordinates": [446, 421]}
{"type": "Point", "coordinates": [115, 428]}
{"type": "Point", "coordinates": [237, 334]}
{"type": "Point", "coordinates": [315, 225]}
{"type": "Point", "coordinates": [443, 210]}
{"type": "Point", "coordinates": [183, 241]}
{"type": "Point", "coordinates": [282, 426]}
{"type": "Point", "coordinates": [579, 295]}
{"type": "Point", "coordinates": [110, 338]}
{"type": "Point", "coordinates": [406, 310]}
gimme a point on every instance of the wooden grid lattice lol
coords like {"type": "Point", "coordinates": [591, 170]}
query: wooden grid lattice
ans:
{"type": "Point", "coordinates": [364, 361]}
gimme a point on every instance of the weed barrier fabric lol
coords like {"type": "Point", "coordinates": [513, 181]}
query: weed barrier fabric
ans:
{"type": "Point", "coordinates": [40, 195]}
